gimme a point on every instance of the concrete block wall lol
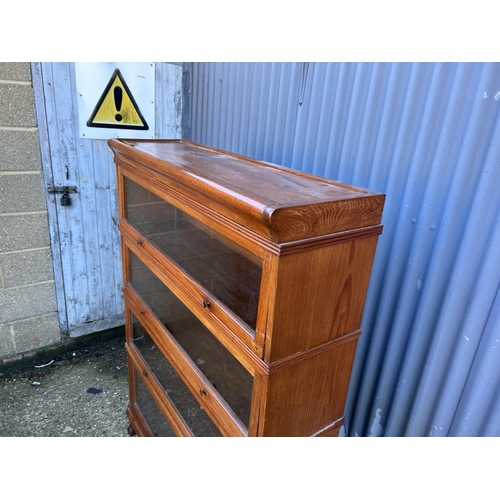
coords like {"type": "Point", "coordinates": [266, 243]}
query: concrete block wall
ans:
{"type": "Point", "coordinates": [28, 309]}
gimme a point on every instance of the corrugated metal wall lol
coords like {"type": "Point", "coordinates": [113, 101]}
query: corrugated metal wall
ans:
{"type": "Point", "coordinates": [427, 135]}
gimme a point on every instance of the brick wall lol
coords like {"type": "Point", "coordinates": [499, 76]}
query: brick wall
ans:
{"type": "Point", "coordinates": [28, 310]}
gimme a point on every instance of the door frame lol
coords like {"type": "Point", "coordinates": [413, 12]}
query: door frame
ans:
{"type": "Point", "coordinates": [43, 134]}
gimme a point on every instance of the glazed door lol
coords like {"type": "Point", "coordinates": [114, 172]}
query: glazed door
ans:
{"type": "Point", "coordinates": [80, 179]}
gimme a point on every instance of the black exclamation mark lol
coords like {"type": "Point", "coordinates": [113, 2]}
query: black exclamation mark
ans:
{"type": "Point", "coordinates": [118, 95]}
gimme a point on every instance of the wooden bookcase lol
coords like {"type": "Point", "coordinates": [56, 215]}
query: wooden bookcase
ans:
{"type": "Point", "coordinates": [244, 288]}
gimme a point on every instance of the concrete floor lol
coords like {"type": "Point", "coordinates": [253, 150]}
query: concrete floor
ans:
{"type": "Point", "coordinates": [82, 392]}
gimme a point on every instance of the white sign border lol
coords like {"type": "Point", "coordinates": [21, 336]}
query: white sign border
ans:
{"type": "Point", "coordinates": [91, 81]}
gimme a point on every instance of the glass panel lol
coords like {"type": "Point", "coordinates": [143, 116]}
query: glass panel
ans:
{"type": "Point", "coordinates": [225, 269]}
{"type": "Point", "coordinates": [151, 412]}
{"type": "Point", "coordinates": [187, 405]}
{"type": "Point", "coordinates": [223, 370]}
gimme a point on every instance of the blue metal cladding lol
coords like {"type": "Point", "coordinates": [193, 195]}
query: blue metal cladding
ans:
{"type": "Point", "coordinates": [428, 136]}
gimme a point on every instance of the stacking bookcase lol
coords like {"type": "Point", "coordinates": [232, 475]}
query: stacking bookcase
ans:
{"type": "Point", "coordinates": [244, 288]}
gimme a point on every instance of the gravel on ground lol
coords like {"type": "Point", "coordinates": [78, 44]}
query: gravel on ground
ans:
{"type": "Point", "coordinates": [82, 393]}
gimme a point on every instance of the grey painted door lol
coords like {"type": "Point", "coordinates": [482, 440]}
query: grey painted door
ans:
{"type": "Point", "coordinates": [84, 235]}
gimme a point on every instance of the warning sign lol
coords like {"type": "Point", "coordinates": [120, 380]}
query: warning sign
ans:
{"type": "Point", "coordinates": [115, 99]}
{"type": "Point", "coordinates": [117, 107]}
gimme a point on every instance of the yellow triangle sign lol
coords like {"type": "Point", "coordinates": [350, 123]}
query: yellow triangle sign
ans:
{"type": "Point", "coordinates": [117, 108]}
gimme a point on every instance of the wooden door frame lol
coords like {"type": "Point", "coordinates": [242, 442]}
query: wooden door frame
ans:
{"type": "Point", "coordinates": [41, 117]}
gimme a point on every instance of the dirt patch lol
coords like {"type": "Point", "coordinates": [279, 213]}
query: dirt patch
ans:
{"type": "Point", "coordinates": [82, 392]}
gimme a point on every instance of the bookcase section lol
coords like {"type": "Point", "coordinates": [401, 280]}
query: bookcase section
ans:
{"type": "Point", "coordinates": [244, 289]}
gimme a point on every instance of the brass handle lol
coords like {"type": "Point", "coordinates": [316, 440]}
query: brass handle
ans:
{"type": "Point", "coordinates": [203, 392]}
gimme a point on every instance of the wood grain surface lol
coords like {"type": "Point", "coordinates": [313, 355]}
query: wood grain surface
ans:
{"type": "Point", "coordinates": [249, 280]}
